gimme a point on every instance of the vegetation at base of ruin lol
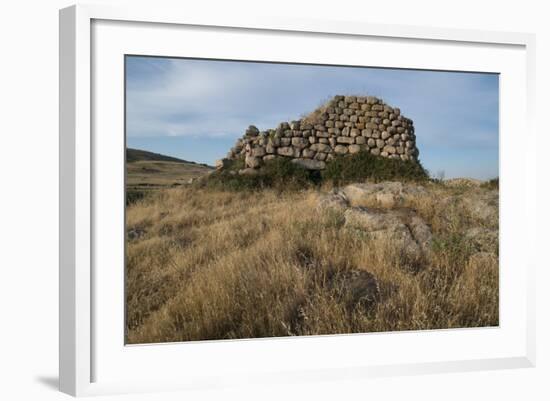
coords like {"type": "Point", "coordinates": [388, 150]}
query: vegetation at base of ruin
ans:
{"type": "Point", "coordinates": [282, 174]}
{"type": "Point", "coordinates": [278, 174]}
{"type": "Point", "coordinates": [206, 263]}
{"type": "Point", "coordinates": [363, 166]}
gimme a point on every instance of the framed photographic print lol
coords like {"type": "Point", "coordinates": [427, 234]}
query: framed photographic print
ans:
{"type": "Point", "coordinates": [277, 200]}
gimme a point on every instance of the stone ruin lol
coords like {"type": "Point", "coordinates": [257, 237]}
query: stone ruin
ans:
{"type": "Point", "coordinates": [343, 125]}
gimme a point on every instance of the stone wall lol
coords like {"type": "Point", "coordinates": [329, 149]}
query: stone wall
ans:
{"type": "Point", "coordinates": [344, 125]}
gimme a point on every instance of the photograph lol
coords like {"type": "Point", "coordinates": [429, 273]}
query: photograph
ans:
{"type": "Point", "coordinates": [271, 199]}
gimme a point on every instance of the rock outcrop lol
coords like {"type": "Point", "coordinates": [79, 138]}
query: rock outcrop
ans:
{"type": "Point", "coordinates": [384, 219]}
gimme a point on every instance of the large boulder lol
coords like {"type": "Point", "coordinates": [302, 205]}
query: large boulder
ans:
{"type": "Point", "coordinates": [385, 194]}
{"type": "Point", "coordinates": [392, 229]}
{"type": "Point", "coordinates": [335, 200]}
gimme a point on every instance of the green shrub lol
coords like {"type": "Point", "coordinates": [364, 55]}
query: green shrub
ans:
{"type": "Point", "coordinates": [235, 164]}
{"type": "Point", "coordinates": [363, 165]}
{"type": "Point", "coordinates": [282, 174]}
{"type": "Point", "coordinates": [278, 173]}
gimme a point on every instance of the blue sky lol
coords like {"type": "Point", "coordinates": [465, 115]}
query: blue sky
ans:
{"type": "Point", "coordinates": [196, 109]}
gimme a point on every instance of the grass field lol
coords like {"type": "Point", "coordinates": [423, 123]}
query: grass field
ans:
{"type": "Point", "coordinates": [205, 263]}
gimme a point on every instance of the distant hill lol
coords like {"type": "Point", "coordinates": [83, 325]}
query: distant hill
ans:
{"type": "Point", "coordinates": [148, 170]}
{"type": "Point", "coordinates": [137, 155]}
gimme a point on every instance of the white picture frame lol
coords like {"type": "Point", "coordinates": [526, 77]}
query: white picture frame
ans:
{"type": "Point", "coordinates": [80, 340]}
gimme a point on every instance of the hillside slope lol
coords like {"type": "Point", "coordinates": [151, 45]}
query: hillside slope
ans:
{"type": "Point", "coordinates": [148, 170]}
{"type": "Point", "coordinates": [134, 155]}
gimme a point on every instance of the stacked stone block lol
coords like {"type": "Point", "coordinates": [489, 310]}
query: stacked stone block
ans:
{"type": "Point", "coordinates": [344, 125]}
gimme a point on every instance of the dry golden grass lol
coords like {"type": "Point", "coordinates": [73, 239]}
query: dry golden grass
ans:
{"type": "Point", "coordinates": [208, 264]}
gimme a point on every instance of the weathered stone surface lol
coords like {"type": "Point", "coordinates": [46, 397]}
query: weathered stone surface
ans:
{"type": "Point", "coordinates": [285, 151]}
{"type": "Point", "coordinates": [285, 141]}
{"type": "Point", "coordinates": [482, 207]}
{"type": "Point", "coordinates": [386, 194]}
{"type": "Point", "coordinates": [300, 142]}
{"type": "Point", "coordinates": [390, 149]}
{"type": "Point", "coordinates": [372, 100]}
{"type": "Point", "coordinates": [341, 149]}
{"type": "Point", "coordinates": [257, 152]}
{"type": "Point", "coordinates": [320, 147]}
{"type": "Point", "coordinates": [252, 162]}
{"type": "Point", "coordinates": [275, 141]}
{"type": "Point", "coordinates": [421, 233]}
{"type": "Point", "coordinates": [391, 229]}
{"type": "Point", "coordinates": [310, 164]}
{"type": "Point", "coordinates": [320, 156]}
{"type": "Point", "coordinates": [332, 200]}
{"type": "Point", "coordinates": [345, 139]}
{"type": "Point", "coordinates": [322, 134]}
{"type": "Point", "coordinates": [308, 153]}
{"type": "Point", "coordinates": [354, 149]}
